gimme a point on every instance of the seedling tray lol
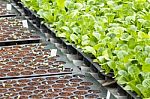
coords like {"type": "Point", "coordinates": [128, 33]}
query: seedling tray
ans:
{"type": "Point", "coordinates": [89, 62]}
{"type": "Point", "coordinates": [4, 12]}
{"type": "Point", "coordinates": [52, 87]}
{"type": "Point", "coordinates": [130, 95]}
{"type": "Point", "coordinates": [32, 14]}
{"type": "Point", "coordinates": [4, 1]}
{"type": "Point", "coordinates": [31, 60]}
{"type": "Point", "coordinates": [12, 31]}
{"type": "Point", "coordinates": [16, 1]}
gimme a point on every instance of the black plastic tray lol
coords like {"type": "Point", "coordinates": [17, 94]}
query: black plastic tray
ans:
{"type": "Point", "coordinates": [33, 15]}
{"type": "Point", "coordinates": [34, 30]}
{"type": "Point", "coordinates": [9, 64]}
{"type": "Point", "coordinates": [13, 12]}
{"type": "Point", "coordinates": [130, 95]}
{"type": "Point", "coordinates": [18, 2]}
{"type": "Point", "coordinates": [83, 86]}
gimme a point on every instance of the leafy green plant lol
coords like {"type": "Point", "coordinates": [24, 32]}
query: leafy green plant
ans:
{"type": "Point", "coordinates": [32, 4]}
{"type": "Point", "coordinates": [115, 32]}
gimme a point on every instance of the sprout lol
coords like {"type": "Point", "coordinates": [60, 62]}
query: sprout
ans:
{"type": "Point", "coordinates": [3, 84]}
{"type": "Point", "coordinates": [18, 97]}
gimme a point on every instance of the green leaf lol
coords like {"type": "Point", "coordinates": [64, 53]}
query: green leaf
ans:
{"type": "Point", "coordinates": [127, 87]}
{"type": "Point", "coordinates": [106, 54]}
{"type": "Point", "coordinates": [98, 27]}
{"type": "Point", "coordinates": [133, 84]}
{"type": "Point", "coordinates": [121, 80]}
{"type": "Point", "coordinates": [106, 68]}
{"type": "Point", "coordinates": [97, 46]}
{"type": "Point", "coordinates": [110, 17]}
{"type": "Point", "coordinates": [96, 35]}
{"type": "Point", "coordinates": [143, 35]}
{"type": "Point", "coordinates": [123, 76]}
{"type": "Point", "coordinates": [147, 61]}
{"type": "Point", "coordinates": [89, 49]}
{"type": "Point", "coordinates": [129, 19]}
{"type": "Point", "coordinates": [90, 2]}
{"type": "Point", "coordinates": [45, 6]}
{"type": "Point", "coordinates": [132, 43]}
{"type": "Point", "coordinates": [121, 54]}
{"type": "Point", "coordinates": [146, 68]}
{"type": "Point", "coordinates": [122, 72]}
{"type": "Point", "coordinates": [85, 42]}
{"type": "Point", "coordinates": [145, 75]}
{"type": "Point", "coordinates": [73, 37]}
{"type": "Point", "coordinates": [65, 28]}
{"type": "Point", "coordinates": [95, 60]}
{"type": "Point", "coordinates": [125, 36]}
{"type": "Point", "coordinates": [74, 13]}
{"type": "Point", "coordinates": [101, 59]}
{"type": "Point", "coordinates": [61, 3]}
{"type": "Point", "coordinates": [133, 71]}
{"type": "Point", "coordinates": [138, 48]}
{"type": "Point", "coordinates": [76, 30]}
{"type": "Point", "coordinates": [111, 64]}
{"type": "Point", "coordinates": [78, 5]}
{"type": "Point", "coordinates": [146, 83]}
{"type": "Point", "coordinates": [144, 90]}
{"type": "Point", "coordinates": [61, 35]}
{"type": "Point", "coordinates": [48, 17]}
{"type": "Point", "coordinates": [147, 48]}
